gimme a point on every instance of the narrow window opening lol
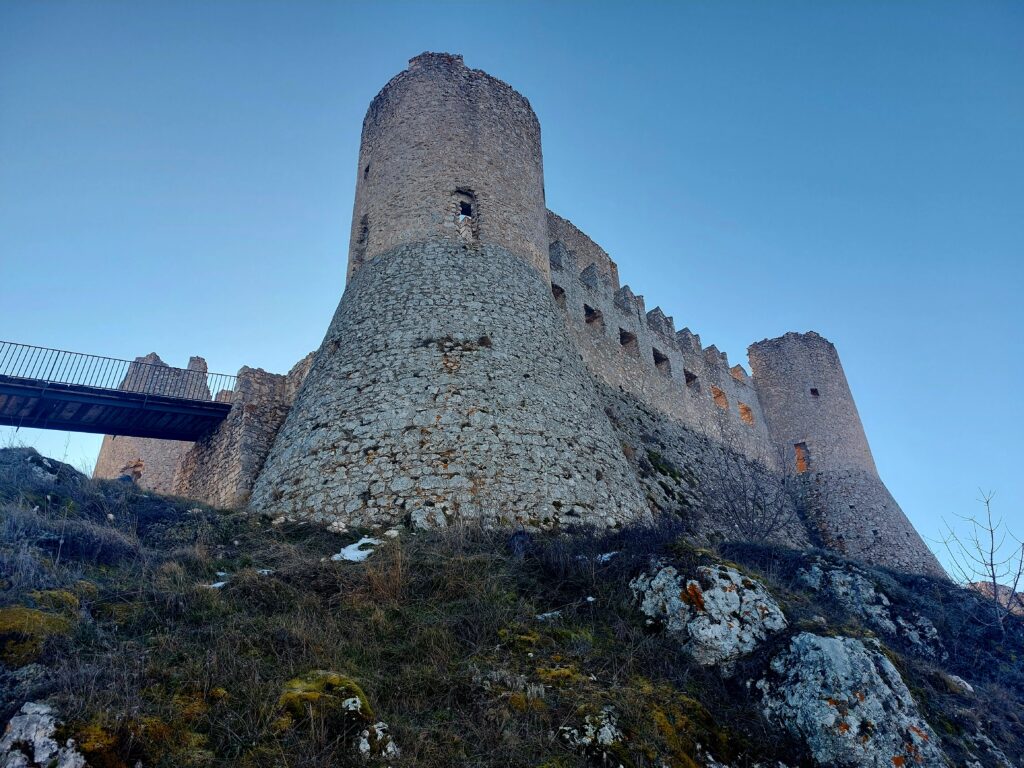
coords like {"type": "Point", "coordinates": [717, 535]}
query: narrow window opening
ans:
{"type": "Point", "coordinates": [628, 342]}
{"type": "Point", "coordinates": [366, 172]}
{"type": "Point", "coordinates": [661, 362]}
{"type": "Point", "coordinates": [746, 414]}
{"type": "Point", "coordinates": [692, 382]}
{"type": "Point", "coordinates": [814, 391]}
{"type": "Point", "coordinates": [362, 238]}
{"type": "Point", "coordinates": [719, 397]}
{"type": "Point", "coordinates": [593, 318]}
{"type": "Point", "coordinates": [559, 293]}
{"type": "Point", "coordinates": [803, 458]}
{"type": "Point", "coordinates": [466, 215]}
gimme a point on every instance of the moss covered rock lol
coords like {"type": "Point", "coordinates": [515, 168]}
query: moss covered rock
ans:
{"type": "Point", "coordinates": [23, 631]}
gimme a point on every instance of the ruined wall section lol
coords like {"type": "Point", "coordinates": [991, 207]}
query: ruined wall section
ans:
{"type": "Point", "coordinates": [439, 136]}
{"type": "Point", "coordinates": [640, 352]}
{"type": "Point", "coordinates": [221, 468]}
{"type": "Point", "coordinates": [157, 460]}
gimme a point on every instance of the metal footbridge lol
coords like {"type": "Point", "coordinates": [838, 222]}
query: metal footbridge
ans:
{"type": "Point", "coordinates": [47, 388]}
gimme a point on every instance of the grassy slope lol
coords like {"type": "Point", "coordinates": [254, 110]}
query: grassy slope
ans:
{"type": "Point", "coordinates": [440, 631]}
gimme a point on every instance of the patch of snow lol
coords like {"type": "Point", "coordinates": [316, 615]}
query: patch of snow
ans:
{"type": "Point", "coordinates": [548, 616]}
{"type": "Point", "coordinates": [358, 552]}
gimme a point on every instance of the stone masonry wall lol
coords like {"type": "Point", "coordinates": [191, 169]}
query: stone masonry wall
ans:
{"type": "Point", "coordinates": [221, 468]}
{"type": "Point", "coordinates": [715, 491]}
{"type": "Point", "coordinates": [157, 459]}
{"type": "Point", "coordinates": [641, 353]}
{"type": "Point", "coordinates": [446, 389]}
{"type": "Point", "coordinates": [437, 133]}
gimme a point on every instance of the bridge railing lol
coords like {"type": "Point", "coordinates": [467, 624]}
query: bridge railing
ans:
{"type": "Point", "coordinates": [58, 366]}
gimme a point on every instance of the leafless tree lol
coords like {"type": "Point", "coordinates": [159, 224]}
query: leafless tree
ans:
{"type": "Point", "coordinates": [754, 495]}
{"type": "Point", "coordinates": [989, 559]}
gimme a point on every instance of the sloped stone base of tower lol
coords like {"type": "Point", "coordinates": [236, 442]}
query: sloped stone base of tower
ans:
{"type": "Point", "coordinates": [855, 514]}
{"type": "Point", "coordinates": [446, 389]}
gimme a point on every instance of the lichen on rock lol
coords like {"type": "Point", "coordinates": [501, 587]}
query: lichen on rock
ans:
{"type": "Point", "coordinates": [30, 741]}
{"type": "Point", "coordinates": [848, 704]}
{"type": "Point", "coordinates": [720, 615]}
{"type": "Point", "coordinates": [597, 737]}
{"type": "Point", "coordinates": [339, 703]}
{"type": "Point", "coordinates": [855, 591]}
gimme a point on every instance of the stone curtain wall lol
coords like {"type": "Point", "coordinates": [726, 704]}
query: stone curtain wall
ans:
{"type": "Point", "coordinates": [436, 129]}
{"type": "Point", "coordinates": [446, 389]}
{"type": "Point", "coordinates": [159, 458]}
{"type": "Point", "coordinates": [716, 491]}
{"type": "Point", "coordinates": [700, 414]}
{"type": "Point", "coordinates": [221, 468]}
{"type": "Point", "coordinates": [600, 316]}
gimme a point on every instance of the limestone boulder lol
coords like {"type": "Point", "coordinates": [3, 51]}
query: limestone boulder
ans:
{"type": "Point", "coordinates": [854, 590]}
{"type": "Point", "coordinates": [719, 615]}
{"type": "Point", "coordinates": [30, 741]}
{"type": "Point", "coordinates": [597, 736]}
{"type": "Point", "coordinates": [848, 704]}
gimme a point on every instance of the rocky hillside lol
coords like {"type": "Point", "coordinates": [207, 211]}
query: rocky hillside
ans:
{"type": "Point", "coordinates": [140, 630]}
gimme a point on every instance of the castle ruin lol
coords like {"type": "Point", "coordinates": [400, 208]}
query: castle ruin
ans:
{"type": "Point", "coordinates": [485, 364]}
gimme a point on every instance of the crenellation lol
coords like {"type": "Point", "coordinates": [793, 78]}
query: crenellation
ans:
{"type": "Point", "coordinates": [659, 323]}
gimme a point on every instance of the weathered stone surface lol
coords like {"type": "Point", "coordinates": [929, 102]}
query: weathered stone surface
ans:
{"type": "Point", "coordinates": [155, 461]}
{"type": "Point", "coordinates": [29, 741]}
{"type": "Point", "coordinates": [221, 468]}
{"type": "Point", "coordinates": [851, 588]}
{"type": "Point", "coordinates": [440, 395]}
{"type": "Point", "coordinates": [719, 616]}
{"type": "Point", "coordinates": [848, 704]}
{"type": "Point", "coordinates": [596, 737]}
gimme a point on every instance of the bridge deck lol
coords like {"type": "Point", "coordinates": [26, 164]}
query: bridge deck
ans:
{"type": "Point", "coordinates": [42, 404]}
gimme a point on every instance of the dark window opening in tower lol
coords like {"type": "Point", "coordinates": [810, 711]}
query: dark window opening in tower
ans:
{"type": "Point", "coordinates": [362, 239]}
{"type": "Point", "coordinates": [593, 318]}
{"type": "Point", "coordinates": [719, 397]}
{"type": "Point", "coordinates": [629, 342]}
{"type": "Point", "coordinates": [559, 293]}
{"type": "Point", "coordinates": [746, 414]}
{"type": "Point", "coordinates": [466, 215]}
{"type": "Point", "coordinates": [814, 391]}
{"type": "Point", "coordinates": [803, 458]}
{"type": "Point", "coordinates": [366, 172]}
{"type": "Point", "coordinates": [691, 380]}
{"type": "Point", "coordinates": [661, 362]}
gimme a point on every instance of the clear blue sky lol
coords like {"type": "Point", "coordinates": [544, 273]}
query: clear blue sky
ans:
{"type": "Point", "coordinates": [177, 177]}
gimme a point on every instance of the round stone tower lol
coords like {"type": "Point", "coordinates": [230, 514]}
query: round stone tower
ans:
{"type": "Point", "coordinates": [808, 404]}
{"type": "Point", "coordinates": [446, 387]}
{"type": "Point", "coordinates": [814, 423]}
